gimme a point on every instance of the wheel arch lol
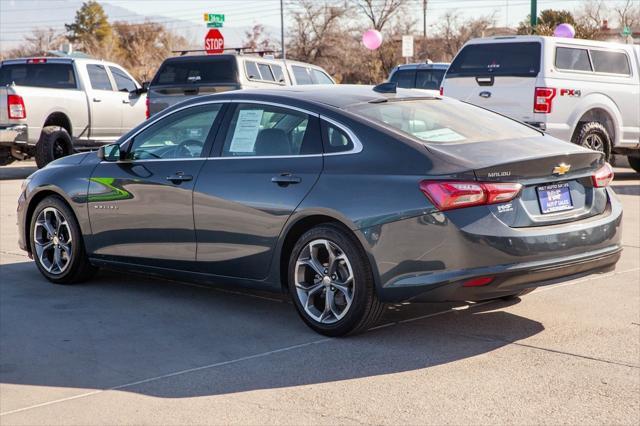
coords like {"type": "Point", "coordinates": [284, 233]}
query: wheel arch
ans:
{"type": "Point", "coordinates": [59, 119]}
{"type": "Point", "coordinates": [300, 224]}
{"type": "Point", "coordinates": [34, 200]}
{"type": "Point", "coordinates": [599, 108]}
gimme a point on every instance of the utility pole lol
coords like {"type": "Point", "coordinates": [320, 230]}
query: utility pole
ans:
{"type": "Point", "coordinates": [424, 19]}
{"type": "Point", "coordinates": [284, 49]}
{"type": "Point", "coordinates": [534, 13]}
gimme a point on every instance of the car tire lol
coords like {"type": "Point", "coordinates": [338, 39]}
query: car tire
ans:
{"type": "Point", "coordinates": [594, 135]}
{"type": "Point", "coordinates": [57, 244]}
{"type": "Point", "coordinates": [6, 157]}
{"type": "Point", "coordinates": [518, 294]}
{"type": "Point", "coordinates": [634, 162]}
{"type": "Point", "coordinates": [333, 298]}
{"type": "Point", "coordinates": [54, 143]}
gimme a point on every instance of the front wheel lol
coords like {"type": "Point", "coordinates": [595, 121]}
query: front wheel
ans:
{"type": "Point", "coordinates": [57, 244]}
{"type": "Point", "coordinates": [331, 282]}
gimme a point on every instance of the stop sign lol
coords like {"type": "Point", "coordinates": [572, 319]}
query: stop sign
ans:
{"type": "Point", "coordinates": [214, 42]}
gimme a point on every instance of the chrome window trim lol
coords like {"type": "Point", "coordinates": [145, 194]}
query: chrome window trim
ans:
{"type": "Point", "coordinates": [357, 145]}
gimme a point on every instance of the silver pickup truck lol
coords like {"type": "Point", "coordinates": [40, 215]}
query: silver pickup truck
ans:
{"type": "Point", "coordinates": [52, 107]}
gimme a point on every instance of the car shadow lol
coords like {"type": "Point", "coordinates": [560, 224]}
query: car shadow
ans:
{"type": "Point", "coordinates": [626, 189]}
{"type": "Point", "coordinates": [121, 329]}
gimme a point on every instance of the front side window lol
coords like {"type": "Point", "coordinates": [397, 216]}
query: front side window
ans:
{"type": "Point", "coordinates": [123, 81]}
{"type": "Point", "coordinates": [405, 79]}
{"type": "Point", "coordinates": [265, 72]}
{"type": "Point", "coordinates": [179, 135]}
{"type": "Point", "coordinates": [98, 77]}
{"type": "Point", "coordinates": [319, 77]}
{"type": "Point", "coordinates": [610, 62]}
{"type": "Point", "coordinates": [443, 121]}
{"type": "Point", "coordinates": [264, 130]}
{"type": "Point", "coordinates": [568, 58]}
{"type": "Point", "coordinates": [301, 74]}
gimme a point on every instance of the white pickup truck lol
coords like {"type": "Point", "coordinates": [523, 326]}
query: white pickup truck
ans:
{"type": "Point", "coordinates": [52, 107]}
{"type": "Point", "coordinates": [583, 91]}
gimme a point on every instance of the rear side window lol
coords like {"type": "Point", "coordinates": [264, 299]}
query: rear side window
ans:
{"type": "Point", "coordinates": [572, 59]}
{"type": "Point", "coordinates": [502, 59]}
{"type": "Point", "coordinates": [301, 75]}
{"type": "Point", "coordinates": [265, 130]}
{"type": "Point", "coordinates": [610, 62]}
{"type": "Point", "coordinates": [252, 70]}
{"type": "Point", "coordinates": [335, 139]}
{"type": "Point", "coordinates": [277, 73]}
{"type": "Point", "coordinates": [209, 70]}
{"type": "Point", "coordinates": [54, 76]}
{"type": "Point", "coordinates": [98, 77]}
{"type": "Point", "coordinates": [429, 79]}
{"type": "Point", "coordinates": [123, 82]}
{"type": "Point", "coordinates": [405, 79]}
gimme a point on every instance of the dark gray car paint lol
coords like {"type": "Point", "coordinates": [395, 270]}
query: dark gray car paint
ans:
{"type": "Point", "coordinates": [374, 193]}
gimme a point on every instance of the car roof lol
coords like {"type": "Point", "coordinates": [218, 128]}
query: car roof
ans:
{"type": "Point", "coordinates": [424, 66]}
{"type": "Point", "coordinates": [548, 39]}
{"type": "Point", "coordinates": [278, 61]}
{"type": "Point", "coordinates": [335, 95]}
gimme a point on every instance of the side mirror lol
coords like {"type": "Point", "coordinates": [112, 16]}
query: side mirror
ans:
{"type": "Point", "coordinates": [141, 90]}
{"type": "Point", "coordinates": [109, 152]}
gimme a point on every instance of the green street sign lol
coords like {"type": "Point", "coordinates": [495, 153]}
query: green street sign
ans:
{"type": "Point", "coordinates": [626, 31]}
{"type": "Point", "coordinates": [211, 18]}
{"type": "Point", "coordinates": [214, 24]}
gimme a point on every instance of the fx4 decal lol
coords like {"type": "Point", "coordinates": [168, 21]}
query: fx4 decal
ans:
{"type": "Point", "coordinates": [570, 92]}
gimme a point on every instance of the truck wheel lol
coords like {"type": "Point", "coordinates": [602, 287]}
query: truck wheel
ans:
{"type": "Point", "coordinates": [54, 143]}
{"type": "Point", "coordinates": [634, 162]}
{"type": "Point", "coordinates": [594, 135]}
{"type": "Point", "coordinates": [5, 156]}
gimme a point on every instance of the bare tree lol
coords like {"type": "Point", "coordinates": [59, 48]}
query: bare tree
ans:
{"type": "Point", "coordinates": [453, 32]}
{"type": "Point", "coordinates": [257, 39]}
{"type": "Point", "coordinates": [38, 43]}
{"type": "Point", "coordinates": [628, 14]}
{"type": "Point", "coordinates": [381, 12]}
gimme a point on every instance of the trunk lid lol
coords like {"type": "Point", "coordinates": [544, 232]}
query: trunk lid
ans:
{"type": "Point", "coordinates": [500, 76]}
{"type": "Point", "coordinates": [555, 177]}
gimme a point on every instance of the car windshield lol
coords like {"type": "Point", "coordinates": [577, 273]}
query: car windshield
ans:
{"type": "Point", "coordinates": [443, 121]}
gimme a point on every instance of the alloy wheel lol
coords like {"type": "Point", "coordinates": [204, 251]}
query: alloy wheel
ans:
{"type": "Point", "coordinates": [324, 281]}
{"type": "Point", "coordinates": [594, 142]}
{"type": "Point", "coordinates": [53, 241]}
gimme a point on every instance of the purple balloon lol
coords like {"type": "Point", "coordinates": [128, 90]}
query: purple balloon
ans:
{"type": "Point", "coordinates": [372, 39]}
{"type": "Point", "coordinates": [564, 30]}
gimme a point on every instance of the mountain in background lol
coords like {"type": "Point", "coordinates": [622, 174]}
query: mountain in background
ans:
{"type": "Point", "coordinates": [19, 18]}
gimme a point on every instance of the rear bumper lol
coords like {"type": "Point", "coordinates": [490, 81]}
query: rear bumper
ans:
{"type": "Point", "coordinates": [430, 257]}
{"type": "Point", "coordinates": [15, 134]}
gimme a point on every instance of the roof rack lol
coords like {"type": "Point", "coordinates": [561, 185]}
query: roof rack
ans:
{"type": "Point", "coordinates": [236, 50]}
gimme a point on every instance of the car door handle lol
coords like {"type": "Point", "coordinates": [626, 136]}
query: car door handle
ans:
{"type": "Point", "coordinates": [97, 100]}
{"type": "Point", "coordinates": [285, 179]}
{"type": "Point", "coordinates": [125, 101]}
{"type": "Point", "coordinates": [179, 177]}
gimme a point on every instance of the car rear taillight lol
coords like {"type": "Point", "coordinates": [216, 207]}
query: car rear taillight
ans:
{"type": "Point", "coordinates": [15, 107]}
{"type": "Point", "coordinates": [37, 61]}
{"type": "Point", "coordinates": [441, 91]}
{"type": "Point", "coordinates": [543, 99]}
{"type": "Point", "coordinates": [146, 112]}
{"type": "Point", "coordinates": [603, 176]}
{"type": "Point", "coordinates": [447, 195]}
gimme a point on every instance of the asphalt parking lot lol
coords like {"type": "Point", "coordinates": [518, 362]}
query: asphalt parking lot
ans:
{"type": "Point", "coordinates": [126, 349]}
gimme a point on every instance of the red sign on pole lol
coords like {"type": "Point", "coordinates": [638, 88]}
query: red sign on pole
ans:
{"type": "Point", "coordinates": [214, 42]}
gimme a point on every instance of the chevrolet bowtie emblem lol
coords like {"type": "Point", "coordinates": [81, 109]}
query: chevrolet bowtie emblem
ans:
{"type": "Point", "coordinates": [561, 169]}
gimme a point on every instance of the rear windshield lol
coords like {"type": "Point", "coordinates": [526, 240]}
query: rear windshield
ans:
{"type": "Point", "coordinates": [505, 59]}
{"type": "Point", "coordinates": [443, 121]}
{"type": "Point", "coordinates": [54, 76]}
{"type": "Point", "coordinates": [188, 71]}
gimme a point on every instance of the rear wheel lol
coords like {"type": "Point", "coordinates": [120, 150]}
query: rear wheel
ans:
{"type": "Point", "coordinates": [634, 162]}
{"type": "Point", "coordinates": [5, 156]}
{"type": "Point", "coordinates": [57, 244]}
{"type": "Point", "coordinates": [594, 135]}
{"type": "Point", "coordinates": [54, 143]}
{"type": "Point", "coordinates": [331, 282]}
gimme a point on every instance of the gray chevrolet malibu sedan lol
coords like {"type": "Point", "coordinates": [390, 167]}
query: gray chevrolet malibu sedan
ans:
{"type": "Point", "coordinates": [346, 197]}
